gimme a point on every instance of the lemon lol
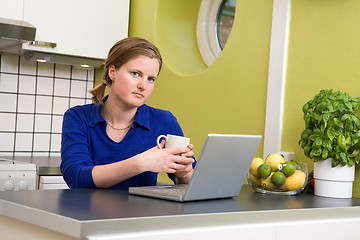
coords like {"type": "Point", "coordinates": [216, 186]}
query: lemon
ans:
{"type": "Point", "coordinates": [255, 180]}
{"type": "Point", "coordinates": [274, 160]}
{"type": "Point", "coordinates": [266, 183]}
{"type": "Point", "coordinates": [264, 170]}
{"type": "Point", "coordinates": [295, 181]}
{"type": "Point", "coordinates": [278, 179]}
{"type": "Point", "coordinates": [288, 169]}
{"type": "Point", "coordinates": [256, 162]}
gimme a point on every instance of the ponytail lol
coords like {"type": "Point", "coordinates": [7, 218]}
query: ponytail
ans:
{"type": "Point", "coordinates": [98, 92]}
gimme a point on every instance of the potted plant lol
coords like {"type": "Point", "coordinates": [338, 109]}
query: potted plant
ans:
{"type": "Point", "coordinates": [332, 138]}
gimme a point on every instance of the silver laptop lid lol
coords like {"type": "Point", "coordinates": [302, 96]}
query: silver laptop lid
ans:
{"type": "Point", "coordinates": [222, 166]}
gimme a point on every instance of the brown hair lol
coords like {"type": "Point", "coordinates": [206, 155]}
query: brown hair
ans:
{"type": "Point", "coordinates": [122, 52]}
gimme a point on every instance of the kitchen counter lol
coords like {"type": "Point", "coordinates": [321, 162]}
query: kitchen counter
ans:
{"type": "Point", "coordinates": [85, 213]}
{"type": "Point", "coordinates": [46, 166]}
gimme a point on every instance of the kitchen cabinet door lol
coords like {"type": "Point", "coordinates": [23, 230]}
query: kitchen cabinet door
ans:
{"type": "Point", "coordinates": [85, 28]}
{"type": "Point", "coordinates": [12, 9]}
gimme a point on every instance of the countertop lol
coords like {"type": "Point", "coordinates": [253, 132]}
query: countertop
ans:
{"type": "Point", "coordinates": [46, 166]}
{"type": "Point", "coordinates": [84, 212]}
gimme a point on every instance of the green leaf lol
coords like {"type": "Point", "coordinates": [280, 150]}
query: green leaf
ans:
{"type": "Point", "coordinates": [305, 107]}
{"type": "Point", "coordinates": [341, 141]}
{"type": "Point", "coordinates": [330, 133]}
{"type": "Point", "coordinates": [335, 162]}
{"type": "Point", "coordinates": [349, 105]}
{"type": "Point", "coordinates": [344, 117]}
{"type": "Point", "coordinates": [327, 144]}
{"type": "Point", "coordinates": [325, 154]}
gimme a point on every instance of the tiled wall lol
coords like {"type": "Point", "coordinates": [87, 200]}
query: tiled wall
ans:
{"type": "Point", "coordinates": [33, 99]}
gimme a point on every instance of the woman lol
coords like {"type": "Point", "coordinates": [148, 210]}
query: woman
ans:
{"type": "Point", "coordinates": [112, 142]}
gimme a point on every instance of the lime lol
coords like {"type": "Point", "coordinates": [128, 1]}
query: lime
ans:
{"type": "Point", "coordinates": [288, 169]}
{"type": "Point", "coordinates": [274, 160]}
{"type": "Point", "coordinates": [264, 170]}
{"type": "Point", "coordinates": [292, 162]}
{"type": "Point", "coordinates": [266, 183]}
{"type": "Point", "coordinates": [278, 179]}
{"type": "Point", "coordinates": [256, 162]}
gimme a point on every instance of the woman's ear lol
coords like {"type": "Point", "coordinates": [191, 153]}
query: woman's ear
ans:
{"type": "Point", "coordinates": [111, 72]}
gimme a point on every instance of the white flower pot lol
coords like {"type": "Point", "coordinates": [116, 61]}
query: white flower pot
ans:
{"type": "Point", "coordinates": [332, 182]}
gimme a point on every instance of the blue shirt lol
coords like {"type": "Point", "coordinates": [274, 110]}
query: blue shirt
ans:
{"type": "Point", "coordinates": [85, 143]}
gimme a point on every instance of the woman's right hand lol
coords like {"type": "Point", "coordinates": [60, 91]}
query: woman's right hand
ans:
{"type": "Point", "coordinates": [169, 160]}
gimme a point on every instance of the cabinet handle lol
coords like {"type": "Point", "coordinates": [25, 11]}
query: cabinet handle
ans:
{"type": "Point", "coordinates": [42, 44]}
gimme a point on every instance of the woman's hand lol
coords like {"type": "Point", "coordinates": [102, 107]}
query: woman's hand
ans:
{"type": "Point", "coordinates": [169, 160]}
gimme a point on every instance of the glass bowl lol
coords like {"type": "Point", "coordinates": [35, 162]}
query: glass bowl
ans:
{"type": "Point", "coordinates": [278, 191]}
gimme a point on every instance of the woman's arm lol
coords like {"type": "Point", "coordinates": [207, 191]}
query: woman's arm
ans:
{"type": "Point", "coordinates": [154, 160]}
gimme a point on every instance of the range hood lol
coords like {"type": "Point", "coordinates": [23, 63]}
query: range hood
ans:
{"type": "Point", "coordinates": [15, 32]}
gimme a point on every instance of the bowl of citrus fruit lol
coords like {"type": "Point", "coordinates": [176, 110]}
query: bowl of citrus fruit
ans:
{"type": "Point", "coordinates": [274, 175]}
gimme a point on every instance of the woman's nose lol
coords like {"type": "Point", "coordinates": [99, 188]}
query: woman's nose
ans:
{"type": "Point", "coordinates": [142, 84]}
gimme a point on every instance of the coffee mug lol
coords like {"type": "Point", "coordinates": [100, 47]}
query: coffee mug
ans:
{"type": "Point", "coordinates": [173, 141]}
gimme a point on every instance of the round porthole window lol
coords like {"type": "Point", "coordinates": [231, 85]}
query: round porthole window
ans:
{"type": "Point", "coordinates": [214, 25]}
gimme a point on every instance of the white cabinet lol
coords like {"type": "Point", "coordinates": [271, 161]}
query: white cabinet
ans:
{"type": "Point", "coordinates": [52, 182]}
{"type": "Point", "coordinates": [12, 9]}
{"type": "Point", "coordinates": [85, 28]}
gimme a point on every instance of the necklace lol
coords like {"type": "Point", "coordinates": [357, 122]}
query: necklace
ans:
{"type": "Point", "coordinates": [118, 129]}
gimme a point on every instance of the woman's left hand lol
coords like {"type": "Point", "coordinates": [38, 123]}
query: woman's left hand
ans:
{"type": "Point", "coordinates": [184, 175]}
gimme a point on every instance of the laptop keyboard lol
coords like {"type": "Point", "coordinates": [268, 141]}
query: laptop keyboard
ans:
{"type": "Point", "coordinates": [174, 190]}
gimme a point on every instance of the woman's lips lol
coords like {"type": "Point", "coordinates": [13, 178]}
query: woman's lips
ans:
{"type": "Point", "coordinates": [139, 95]}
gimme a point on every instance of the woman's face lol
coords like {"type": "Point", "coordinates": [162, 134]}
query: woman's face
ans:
{"type": "Point", "coordinates": [133, 83]}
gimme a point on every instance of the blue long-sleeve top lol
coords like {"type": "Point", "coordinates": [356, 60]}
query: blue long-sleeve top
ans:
{"type": "Point", "coordinates": [85, 143]}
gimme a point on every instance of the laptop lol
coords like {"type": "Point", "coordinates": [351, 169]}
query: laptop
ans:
{"type": "Point", "coordinates": [219, 173]}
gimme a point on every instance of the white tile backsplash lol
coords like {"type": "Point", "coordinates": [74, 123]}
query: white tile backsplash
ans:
{"type": "Point", "coordinates": [41, 142]}
{"type": "Point", "coordinates": [26, 103]}
{"type": "Point", "coordinates": [27, 67]}
{"type": "Point", "coordinates": [56, 124]}
{"type": "Point", "coordinates": [7, 141]}
{"type": "Point", "coordinates": [33, 99]}
{"type": "Point", "coordinates": [78, 89]}
{"type": "Point", "coordinates": [44, 85]}
{"type": "Point", "coordinates": [42, 123]}
{"type": "Point", "coordinates": [62, 87]}
{"type": "Point", "coordinates": [25, 123]}
{"type": "Point", "coordinates": [78, 73]}
{"type": "Point", "coordinates": [8, 102]}
{"type": "Point", "coordinates": [62, 71]}
{"type": "Point", "coordinates": [7, 122]}
{"type": "Point", "coordinates": [23, 141]}
{"type": "Point", "coordinates": [8, 82]}
{"type": "Point", "coordinates": [55, 142]}
{"type": "Point", "coordinates": [90, 85]}
{"type": "Point", "coordinates": [60, 105]}
{"type": "Point", "coordinates": [76, 101]}
{"type": "Point", "coordinates": [9, 63]}
{"type": "Point", "coordinates": [27, 84]}
{"type": "Point", "coordinates": [46, 69]}
{"type": "Point", "coordinates": [43, 104]}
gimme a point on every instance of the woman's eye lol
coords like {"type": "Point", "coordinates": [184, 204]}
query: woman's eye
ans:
{"type": "Point", "coordinates": [151, 79]}
{"type": "Point", "coordinates": [136, 74]}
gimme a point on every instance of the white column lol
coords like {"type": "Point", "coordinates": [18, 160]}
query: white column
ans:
{"type": "Point", "coordinates": [277, 76]}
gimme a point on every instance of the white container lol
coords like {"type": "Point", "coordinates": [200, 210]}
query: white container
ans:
{"type": "Point", "coordinates": [332, 182]}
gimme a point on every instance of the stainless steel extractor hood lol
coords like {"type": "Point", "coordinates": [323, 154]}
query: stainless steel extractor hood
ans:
{"type": "Point", "coordinates": [15, 32]}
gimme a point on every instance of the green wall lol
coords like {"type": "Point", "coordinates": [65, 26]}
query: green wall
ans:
{"type": "Point", "coordinates": [324, 53]}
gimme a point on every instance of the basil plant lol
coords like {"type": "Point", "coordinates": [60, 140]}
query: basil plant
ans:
{"type": "Point", "coordinates": [332, 128]}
